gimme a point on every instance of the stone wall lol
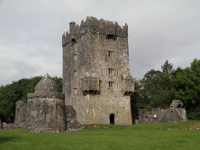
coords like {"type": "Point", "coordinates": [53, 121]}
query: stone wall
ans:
{"type": "Point", "coordinates": [175, 115]}
{"type": "Point", "coordinates": [45, 115]}
{"type": "Point", "coordinates": [71, 121]}
{"type": "Point", "coordinates": [7, 126]}
{"type": "Point", "coordinates": [20, 112]}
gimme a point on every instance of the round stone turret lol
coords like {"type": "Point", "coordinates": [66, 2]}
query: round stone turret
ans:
{"type": "Point", "coordinates": [46, 88]}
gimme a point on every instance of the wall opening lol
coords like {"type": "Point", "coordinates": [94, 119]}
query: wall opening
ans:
{"type": "Point", "coordinates": [110, 84]}
{"type": "Point", "coordinates": [75, 57]}
{"type": "Point", "coordinates": [73, 41]}
{"type": "Point", "coordinates": [110, 53]}
{"type": "Point", "coordinates": [75, 91]}
{"type": "Point", "coordinates": [110, 37]}
{"type": "Point", "coordinates": [110, 71]}
{"type": "Point", "coordinates": [112, 119]}
{"type": "Point", "coordinates": [179, 105]}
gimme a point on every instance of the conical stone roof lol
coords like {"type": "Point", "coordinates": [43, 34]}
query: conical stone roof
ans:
{"type": "Point", "coordinates": [46, 84]}
{"type": "Point", "coordinates": [46, 88]}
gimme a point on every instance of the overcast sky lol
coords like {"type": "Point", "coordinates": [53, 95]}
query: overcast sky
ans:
{"type": "Point", "coordinates": [159, 30]}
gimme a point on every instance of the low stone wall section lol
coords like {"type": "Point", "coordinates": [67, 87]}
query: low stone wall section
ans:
{"type": "Point", "coordinates": [142, 116]}
{"type": "Point", "coordinates": [45, 115]}
{"type": "Point", "coordinates": [7, 126]}
{"type": "Point", "coordinates": [20, 112]}
{"type": "Point", "coordinates": [71, 121]}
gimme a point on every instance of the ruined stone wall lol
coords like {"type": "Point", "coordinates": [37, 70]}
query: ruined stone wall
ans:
{"type": "Point", "coordinates": [71, 121]}
{"type": "Point", "coordinates": [96, 75]}
{"type": "Point", "coordinates": [175, 115]}
{"type": "Point", "coordinates": [20, 112]}
{"type": "Point", "coordinates": [7, 126]}
{"type": "Point", "coordinates": [45, 115]}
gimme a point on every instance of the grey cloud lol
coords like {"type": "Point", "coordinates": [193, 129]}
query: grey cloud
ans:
{"type": "Point", "coordinates": [12, 70]}
{"type": "Point", "coordinates": [31, 31]}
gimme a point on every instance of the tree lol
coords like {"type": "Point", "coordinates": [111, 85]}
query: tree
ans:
{"type": "Point", "coordinates": [167, 68]}
{"type": "Point", "coordinates": [187, 88]}
{"type": "Point", "coordinates": [154, 90]}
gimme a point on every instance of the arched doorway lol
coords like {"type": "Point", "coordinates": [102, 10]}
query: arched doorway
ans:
{"type": "Point", "coordinates": [112, 119]}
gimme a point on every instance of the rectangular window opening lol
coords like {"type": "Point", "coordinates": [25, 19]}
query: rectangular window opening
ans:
{"type": "Point", "coordinates": [75, 73]}
{"type": "Point", "coordinates": [110, 53]}
{"type": "Point", "coordinates": [118, 84]}
{"type": "Point", "coordinates": [117, 72]}
{"type": "Point", "coordinates": [75, 57]}
{"type": "Point", "coordinates": [110, 84]}
{"type": "Point", "coordinates": [75, 91]}
{"type": "Point", "coordinates": [110, 71]}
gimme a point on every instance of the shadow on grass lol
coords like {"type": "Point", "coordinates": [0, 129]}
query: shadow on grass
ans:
{"type": "Point", "coordinates": [8, 139]}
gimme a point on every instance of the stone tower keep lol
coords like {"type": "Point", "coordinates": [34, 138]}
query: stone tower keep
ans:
{"type": "Point", "coordinates": [96, 75]}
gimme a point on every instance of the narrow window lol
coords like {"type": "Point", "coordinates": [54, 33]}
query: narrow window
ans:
{"type": "Point", "coordinates": [110, 71]}
{"type": "Point", "coordinates": [117, 72]}
{"type": "Point", "coordinates": [75, 73]}
{"type": "Point", "coordinates": [75, 57]}
{"type": "Point", "coordinates": [100, 70]}
{"type": "Point", "coordinates": [75, 91]}
{"type": "Point", "coordinates": [118, 84]}
{"type": "Point", "coordinates": [110, 84]}
{"type": "Point", "coordinates": [110, 53]}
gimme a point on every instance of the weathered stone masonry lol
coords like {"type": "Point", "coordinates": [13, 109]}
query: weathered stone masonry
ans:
{"type": "Point", "coordinates": [46, 111]}
{"type": "Point", "coordinates": [172, 114]}
{"type": "Point", "coordinates": [96, 75]}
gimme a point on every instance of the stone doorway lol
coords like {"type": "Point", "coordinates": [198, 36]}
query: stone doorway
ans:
{"type": "Point", "coordinates": [112, 119]}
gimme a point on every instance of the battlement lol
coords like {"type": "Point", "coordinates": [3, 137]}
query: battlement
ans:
{"type": "Point", "coordinates": [93, 25]}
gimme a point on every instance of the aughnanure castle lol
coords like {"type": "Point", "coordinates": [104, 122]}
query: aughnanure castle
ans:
{"type": "Point", "coordinates": [97, 84]}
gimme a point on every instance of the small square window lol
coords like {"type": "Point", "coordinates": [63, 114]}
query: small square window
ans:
{"type": "Point", "coordinates": [110, 84]}
{"type": "Point", "coordinates": [110, 71]}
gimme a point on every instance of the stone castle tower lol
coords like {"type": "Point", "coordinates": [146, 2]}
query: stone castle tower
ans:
{"type": "Point", "coordinates": [96, 74]}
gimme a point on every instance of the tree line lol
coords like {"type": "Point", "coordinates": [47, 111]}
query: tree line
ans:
{"type": "Point", "coordinates": [17, 91]}
{"type": "Point", "coordinates": [158, 88]}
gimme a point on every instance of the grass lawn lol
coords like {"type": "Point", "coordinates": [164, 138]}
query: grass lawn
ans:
{"type": "Point", "coordinates": [156, 136]}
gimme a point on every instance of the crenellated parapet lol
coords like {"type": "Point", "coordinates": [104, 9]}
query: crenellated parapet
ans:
{"type": "Point", "coordinates": [93, 25]}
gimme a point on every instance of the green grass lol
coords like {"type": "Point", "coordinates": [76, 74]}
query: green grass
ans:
{"type": "Point", "coordinates": [157, 136]}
